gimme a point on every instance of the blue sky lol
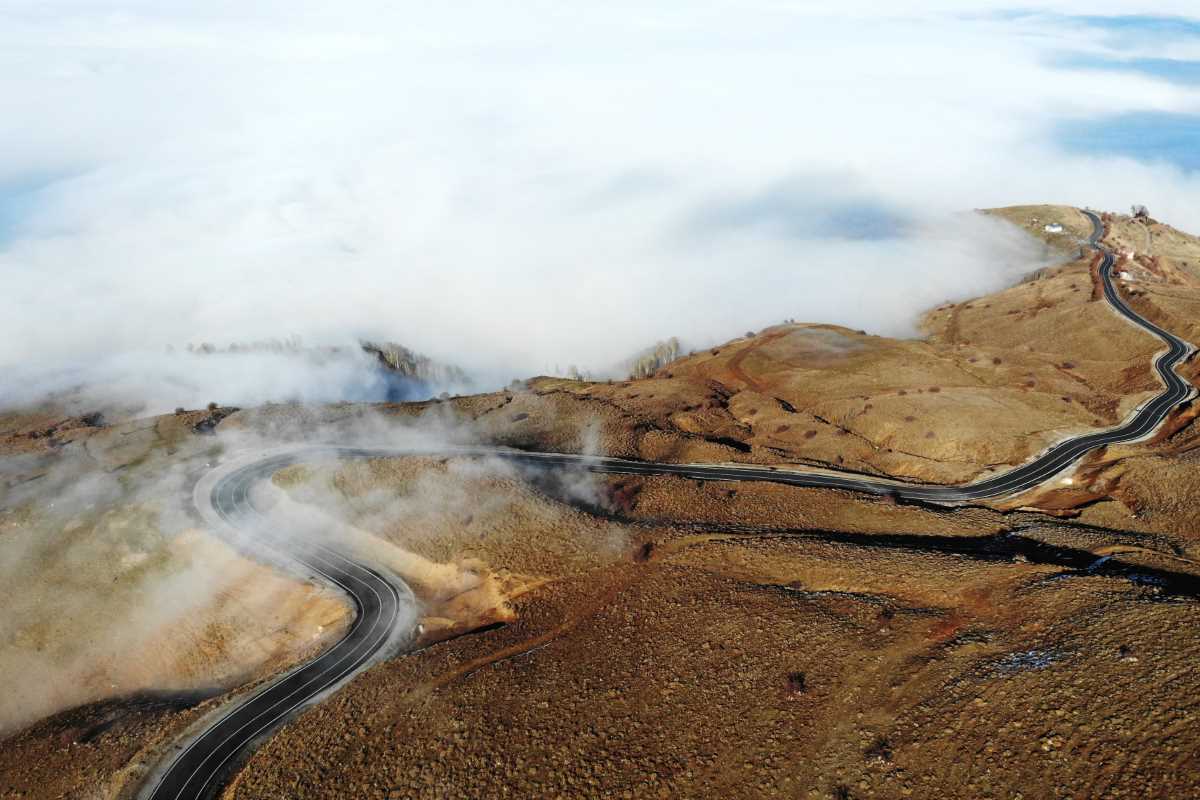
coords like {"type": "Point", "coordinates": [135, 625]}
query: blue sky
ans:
{"type": "Point", "coordinates": [20, 198]}
{"type": "Point", "coordinates": [1150, 137]}
{"type": "Point", "coordinates": [16, 203]}
{"type": "Point", "coordinates": [1170, 137]}
{"type": "Point", "coordinates": [1168, 69]}
{"type": "Point", "coordinates": [1135, 44]}
{"type": "Point", "coordinates": [1134, 29]}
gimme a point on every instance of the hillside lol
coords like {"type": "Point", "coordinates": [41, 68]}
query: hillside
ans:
{"type": "Point", "coordinates": [618, 635]}
{"type": "Point", "coordinates": [994, 381]}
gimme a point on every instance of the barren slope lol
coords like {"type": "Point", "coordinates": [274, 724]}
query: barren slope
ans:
{"type": "Point", "coordinates": [657, 637]}
{"type": "Point", "coordinates": [996, 380]}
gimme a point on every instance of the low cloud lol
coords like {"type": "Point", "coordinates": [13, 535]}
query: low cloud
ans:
{"type": "Point", "coordinates": [139, 381]}
{"type": "Point", "coordinates": [514, 190]}
{"type": "Point", "coordinates": [112, 585]}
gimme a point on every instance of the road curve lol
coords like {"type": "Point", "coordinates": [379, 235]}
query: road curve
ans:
{"type": "Point", "coordinates": [384, 612]}
{"type": "Point", "coordinates": [383, 604]}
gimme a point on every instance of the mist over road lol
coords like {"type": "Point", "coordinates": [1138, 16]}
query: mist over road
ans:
{"type": "Point", "coordinates": [384, 611]}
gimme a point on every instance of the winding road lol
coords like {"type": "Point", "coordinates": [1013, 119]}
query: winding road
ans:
{"type": "Point", "coordinates": [227, 500]}
{"type": "Point", "coordinates": [385, 610]}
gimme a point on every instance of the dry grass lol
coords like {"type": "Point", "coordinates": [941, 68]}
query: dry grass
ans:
{"type": "Point", "coordinates": [709, 639]}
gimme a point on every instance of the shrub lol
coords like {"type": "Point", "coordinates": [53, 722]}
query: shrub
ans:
{"type": "Point", "coordinates": [880, 750]}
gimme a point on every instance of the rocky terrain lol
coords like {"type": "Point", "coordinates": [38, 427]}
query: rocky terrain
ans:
{"type": "Point", "coordinates": [660, 637]}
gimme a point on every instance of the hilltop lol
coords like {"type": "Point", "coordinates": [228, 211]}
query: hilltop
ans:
{"type": "Point", "coordinates": [993, 381]}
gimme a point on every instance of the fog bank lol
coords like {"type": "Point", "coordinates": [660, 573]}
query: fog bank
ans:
{"type": "Point", "coordinates": [515, 190]}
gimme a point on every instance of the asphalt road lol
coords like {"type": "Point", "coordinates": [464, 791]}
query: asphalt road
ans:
{"type": "Point", "coordinates": [226, 498]}
{"type": "Point", "coordinates": [383, 604]}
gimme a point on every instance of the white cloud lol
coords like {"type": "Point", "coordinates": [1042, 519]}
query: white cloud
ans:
{"type": "Point", "coordinates": [514, 189]}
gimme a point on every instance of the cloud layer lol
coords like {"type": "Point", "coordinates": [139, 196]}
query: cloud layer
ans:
{"type": "Point", "coordinates": [512, 190]}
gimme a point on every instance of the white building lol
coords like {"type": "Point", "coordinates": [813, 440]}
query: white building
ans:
{"type": "Point", "coordinates": [1053, 227]}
